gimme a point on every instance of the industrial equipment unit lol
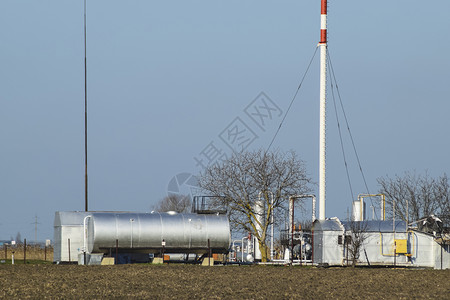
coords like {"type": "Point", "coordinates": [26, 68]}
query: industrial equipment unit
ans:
{"type": "Point", "coordinates": [104, 233]}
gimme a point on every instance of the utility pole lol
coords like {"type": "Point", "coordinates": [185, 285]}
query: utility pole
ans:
{"type": "Point", "coordinates": [35, 228]}
{"type": "Point", "coordinates": [85, 118]}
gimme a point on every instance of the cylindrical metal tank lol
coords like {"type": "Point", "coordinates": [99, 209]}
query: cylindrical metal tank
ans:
{"type": "Point", "coordinates": [359, 213]}
{"type": "Point", "coordinates": [259, 210]}
{"type": "Point", "coordinates": [181, 233]}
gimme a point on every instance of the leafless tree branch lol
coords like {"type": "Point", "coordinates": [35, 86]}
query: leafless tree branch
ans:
{"type": "Point", "coordinates": [238, 181]}
{"type": "Point", "coordinates": [417, 196]}
{"type": "Point", "coordinates": [174, 202]}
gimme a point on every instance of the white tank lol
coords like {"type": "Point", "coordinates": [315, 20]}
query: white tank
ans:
{"type": "Point", "coordinates": [259, 215]}
{"type": "Point", "coordinates": [358, 214]}
{"type": "Point", "coordinates": [146, 232]}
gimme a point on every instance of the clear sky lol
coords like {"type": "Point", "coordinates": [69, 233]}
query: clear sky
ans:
{"type": "Point", "coordinates": [167, 80]}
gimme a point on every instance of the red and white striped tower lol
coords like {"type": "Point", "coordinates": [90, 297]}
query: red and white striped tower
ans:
{"type": "Point", "coordinates": [323, 97]}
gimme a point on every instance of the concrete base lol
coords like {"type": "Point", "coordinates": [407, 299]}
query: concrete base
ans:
{"type": "Point", "coordinates": [106, 261]}
{"type": "Point", "coordinates": [91, 258]}
{"type": "Point", "coordinates": [158, 261]}
{"type": "Point", "coordinates": [206, 260]}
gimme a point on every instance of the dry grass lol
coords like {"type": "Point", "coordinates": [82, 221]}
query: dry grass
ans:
{"type": "Point", "coordinates": [32, 252]}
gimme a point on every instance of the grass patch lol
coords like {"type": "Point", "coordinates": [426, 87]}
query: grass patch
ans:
{"type": "Point", "coordinates": [28, 262]}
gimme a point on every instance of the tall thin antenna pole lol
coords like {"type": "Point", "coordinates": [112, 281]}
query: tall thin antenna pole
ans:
{"type": "Point", "coordinates": [323, 97]}
{"type": "Point", "coordinates": [85, 117]}
{"type": "Point", "coordinates": [35, 229]}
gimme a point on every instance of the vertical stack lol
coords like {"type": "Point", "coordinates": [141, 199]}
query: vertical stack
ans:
{"type": "Point", "coordinates": [323, 96]}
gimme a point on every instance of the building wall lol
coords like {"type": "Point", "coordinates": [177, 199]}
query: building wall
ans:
{"type": "Point", "coordinates": [379, 247]}
{"type": "Point", "coordinates": [445, 252]}
{"type": "Point", "coordinates": [332, 251]}
{"type": "Point", "coordinates": [68, 225]}
{"type": "Point", "coordinates": [318, 247]}
{"type": "Point", "coordinates": [422, 250]}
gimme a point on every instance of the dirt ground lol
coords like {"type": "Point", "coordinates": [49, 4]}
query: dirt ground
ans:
{"type": "Point", "coordinates": [219, 282]}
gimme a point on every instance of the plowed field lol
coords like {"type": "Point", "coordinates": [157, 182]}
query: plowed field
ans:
{"type": "Point", "coordinates": [219, 282]}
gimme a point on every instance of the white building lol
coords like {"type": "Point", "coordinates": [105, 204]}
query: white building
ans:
{"type": "Point", "coordinates": [385, 244]}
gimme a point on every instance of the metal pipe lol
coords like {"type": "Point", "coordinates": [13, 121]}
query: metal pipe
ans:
{"type": "Point", "coordinates": [407, 213]}
{"type": "Point", "coordinates": [312, 245]}
{"type": "Point", "coordinates": [381, 247]}
{"type": "Point", "coordinates": [301, 249]}
{"type": "Point", "coordinates": [412, 234]}
{"type": "Point", "coordinates": [260, 222]}
{"type": "Point", "coordinates": [292, 228]}
{"type": "Point", "coordinates": [393, 229]}
{"type": "Point", "coordinates": [250, 244]}
{"type": "Point", "coordinates": [85, 233]}
{"type": "Point", "coordinates": [131, 235]}
{"type": "Point", "coordinates": [362, 216]}
{"type": "Point", "coordinates": [346, 243]}
{"type": "Point", "coordinates": [24, 251]}
{"type": "Point", "coordinates": [271, 228]}
{"type": "Point", "coordinates": [233, 252]}
{"type": "Point", "coordinates": [271, 220]}
{"type": "Point", "coordinates": [395, 252]}
{"type": "Point", "coordinates": [117, 252]}
{"type": "Point", "coordinates": [313, 197]}
{"type": "Point", "coordinates": [382, 199]}
{"type": "Point", "coordinates": [242, 247]}
{"type": "Point", "coordinates": [313, 207]}
{"type": "Point", "coordinates": [233, 247]}
{"type": "Point", "coordinates": [209, 254]}
{"type": "Point", "coordinates": [163, 244]}
{"type": "Point", "coordinates": [84, 239]}
{"type": "Point", "coordinates": [85, 119]}
{"type": "Point", "coordinates": [68, 245]}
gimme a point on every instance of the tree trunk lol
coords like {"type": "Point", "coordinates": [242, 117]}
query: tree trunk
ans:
{"type": "Point", "coordinates": [263, 249]}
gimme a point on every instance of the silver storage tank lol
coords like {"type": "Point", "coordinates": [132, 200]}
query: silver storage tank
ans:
{"type": "Point", "coordinates": [182, 233]}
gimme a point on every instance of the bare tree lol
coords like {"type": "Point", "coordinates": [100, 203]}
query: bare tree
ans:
{"type": "Point", "coordinates": [417, 196]}
{"type": "Point", "coordinates": [245, 177]}
{"type": "Point", "coordinates": [442, 194]}
{"type": "Point", "coordinates": [174, 202]}
{"type": "Point", "coordinates": [355, 240]}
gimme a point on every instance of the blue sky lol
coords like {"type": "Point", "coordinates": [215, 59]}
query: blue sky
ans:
{"type": "Point", "coordinates": [166, 78]}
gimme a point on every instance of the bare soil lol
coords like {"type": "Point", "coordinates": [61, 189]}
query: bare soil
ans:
{"type": "Point", "coordinates": [219, 282]}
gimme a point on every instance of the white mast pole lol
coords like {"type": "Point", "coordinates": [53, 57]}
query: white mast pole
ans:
{"type": "Point", "coordinates": [323, 95]}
